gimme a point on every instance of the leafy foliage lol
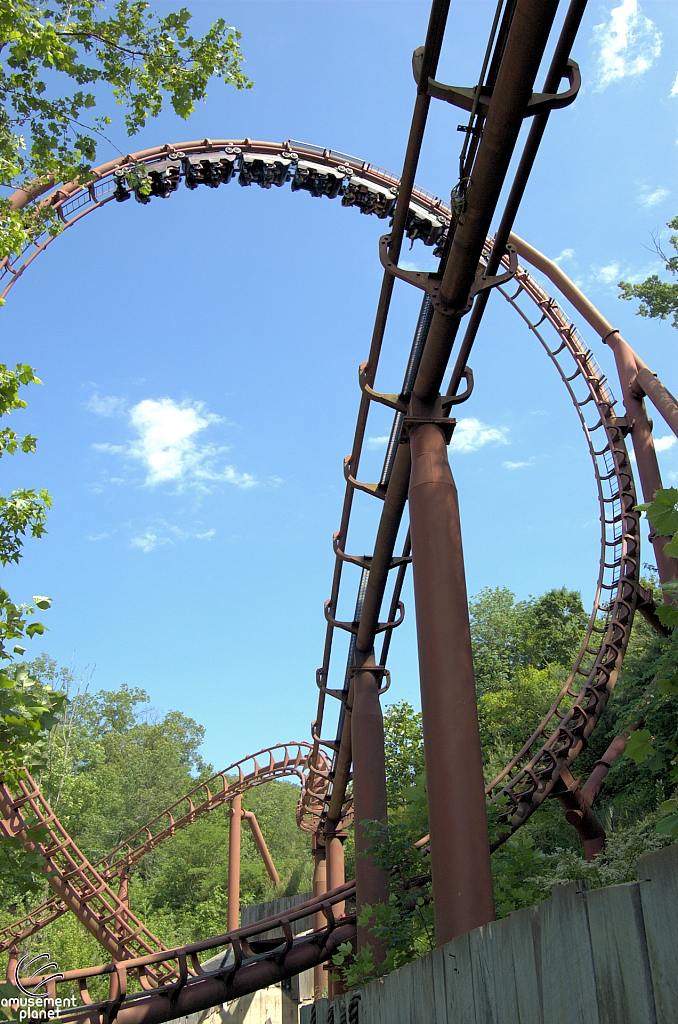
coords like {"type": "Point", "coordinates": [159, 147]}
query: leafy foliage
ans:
{"type": "Point", "coordinates": [507, 636]}
{"type": "Point", "coordinates": [57, 54]}
{"type": "Point", "coordinates": [27, 707]}
{"type": "Point", "coordinates": [111, 764]}
{"type": "Point", "coordinates": [663, 514]}
{"type": "Point", "coordinates": [658, 299]}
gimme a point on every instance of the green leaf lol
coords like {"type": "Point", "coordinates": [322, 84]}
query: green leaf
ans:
{"type": "Point", "coordinates": [668, 686]}
{"type": "Point", "coordinates": [639, 748]}
{"type": "Point", "coordinates": [668, 826]}
{"type": "Point", "coordinates": [663, 511]}
{"type": "Point", "coordinates": [669, 806]}
{"type": "Point", "coordinates": [365, 915]}
{"type": "Point", "coordinates": [667, 615]}
{"type": "Point", "coordinates": [43, 603]}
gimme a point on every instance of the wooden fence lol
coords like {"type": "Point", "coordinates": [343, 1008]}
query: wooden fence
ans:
{"type": "Point", "coordinates": [583, 956]}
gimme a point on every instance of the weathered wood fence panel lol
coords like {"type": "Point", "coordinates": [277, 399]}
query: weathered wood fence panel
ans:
{"type": "Point", "coordinates": [603, 956]}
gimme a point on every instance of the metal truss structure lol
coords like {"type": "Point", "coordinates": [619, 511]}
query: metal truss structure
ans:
{"type": "Point", "coordinates": [417, 472]}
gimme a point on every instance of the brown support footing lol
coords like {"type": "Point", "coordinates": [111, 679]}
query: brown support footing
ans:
{"type": "Point", "coordinates": [319, 887]}
{"type": "Point", "coordinates": [235, 824]}
{"type": "Point", "coordinates": [369, 790]}
{"type": "Point", "coordinates": [460, 850]}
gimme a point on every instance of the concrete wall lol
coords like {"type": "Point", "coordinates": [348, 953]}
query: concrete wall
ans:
{"type": "Point", "coordinates": [601, 956]}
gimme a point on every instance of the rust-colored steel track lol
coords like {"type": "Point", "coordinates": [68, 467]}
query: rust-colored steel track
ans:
{"type": "Point", "coordinates": [471, 267]}
{"type": "Point", "coordinates": [282, 761]}
{"type": "Point", "coordinates": [28, 817]}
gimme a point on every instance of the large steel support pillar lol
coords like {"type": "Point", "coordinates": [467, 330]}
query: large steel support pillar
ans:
{"type": "Point", "coordinates": [460, 851]}
{"type": "Point", "coordinates": [234, 830]}
{"type": "Point", "coordinates": [369, 789]}
{"type": "Point", "coordinates": [319, 889]}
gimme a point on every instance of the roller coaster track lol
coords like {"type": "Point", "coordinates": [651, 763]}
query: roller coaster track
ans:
{"type": "Point", "coordinates": [533, 773]}
{"type": "Point", "coordinates": [284, 760]}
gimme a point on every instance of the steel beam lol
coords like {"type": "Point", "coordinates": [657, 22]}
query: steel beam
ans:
{"type": "Point", "coordinates": [234, 833]}
{"type": "Point", "coordinates": [369, 791]}
{"type": "Point", "coordinates": [460, 848]}
{"type": "Point", "coordinates": [319, 889]}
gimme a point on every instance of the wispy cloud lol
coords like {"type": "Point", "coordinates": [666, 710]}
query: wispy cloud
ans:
{"type": "Point", "coordinates": [108, 405]}
{"type": "Point", "coordinates": [674, 88]}
{"type": "Point", "coordinates": [375, 443]}
{"type": "Point", "coordinates": [168, 449]}
{"type": "Point", "coordinates": [609, 274]}
{"type": "Point", "coordinates": [517, 465]}
{"type": "Point", "coordinates": [470, 434]}
{"type": "Point", "coordinates": [163, 533]}
{"type": "Point", "coordinates": [566, 254]}
{"type": "Point", "coordinates": [663, 444]}
{"type": "Point", "coordinates": [629, 43]}
{"type": "Point", "coordinates": [652, 197]}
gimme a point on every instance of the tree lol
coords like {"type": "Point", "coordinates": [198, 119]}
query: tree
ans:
{"type": "Point", "coordinates": [540, 632]}
{"type": "Point", "coordinates": [27, 707]}
{"type": "Point", "coordinates": [54, 55]}
{"type": "Point", "coordinates": [658, 299]}
{"type": "Point", "coordinates": [43, 140]}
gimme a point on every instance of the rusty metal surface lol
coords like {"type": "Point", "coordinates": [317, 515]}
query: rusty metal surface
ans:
{"type": "Point", "coordinates": [185, 987]}
{"type": "Point", "coordinates": [282, 761]}
{"type": "Point", "coordinates": [469, 261]}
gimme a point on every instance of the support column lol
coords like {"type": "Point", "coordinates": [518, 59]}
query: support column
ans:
{"type": "Point", "coordinates": [234, 830]}
{"type": "Point", "coordinates": [123, 896]}
{"type": "Point", "coordinates": [336, 876]}
{"type": "Point", "coordinates": [643, 445]}
{"type": "Point", "coordinates": [319, 889]}
{"type": "Point", "coordinates": [369, 789]}
{"type": "Point", "coordinates": [460, 851]}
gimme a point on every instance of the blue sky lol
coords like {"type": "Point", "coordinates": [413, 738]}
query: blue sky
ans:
{"type": "Point", "coordinates": [199, 358]}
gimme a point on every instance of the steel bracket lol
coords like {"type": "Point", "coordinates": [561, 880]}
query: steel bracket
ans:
{"type": "Point", "coordinates": [377, 670]}
{"type": "Point", "coordinates": [365, 561]}
{"type": "Point", "coordinates": [471, 100]}
{"type": "Point", "coordinates": [397, 402]}
{"type": "Point", "coordinates": [446, 424]}
{"type": "Point", "coordinates": [447, 400]}
{"type": "Point", "coordinates": [431, 283]}
{"type": "Point", "coordinates": [353, 627]}
{"type": "Point", "coordinates": [376, 490]}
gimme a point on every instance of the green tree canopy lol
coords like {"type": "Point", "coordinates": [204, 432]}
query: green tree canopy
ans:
{"type": "Point", "coordinates": [507, 635]}
{"type": "Point", "coordinates": [658, 299]}
{"type": "Point", "coordinates": [55, 58]}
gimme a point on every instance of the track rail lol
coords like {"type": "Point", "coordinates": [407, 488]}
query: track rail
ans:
{"type": "Point", "coordinates": [186, 987]}
{"type": "Point", "coordinates": [564, 732]}
{"type": "Point", "coordinates": [284, 761]}
{"type": "Point", "coordinates": [531, 774]}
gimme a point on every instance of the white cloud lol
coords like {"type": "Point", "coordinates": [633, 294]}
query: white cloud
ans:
{"type": "Point", "coordinates": [164, 533]}
{"type": "Point", "coordinates": [609, 274]}
{"type": "Point", "coordinates": [109, 405]}
{"type": "Point", "coordinates": [566, 254]}
{"type": "Point", "coordinates": [674, 87]}
{"type": "Point", "coordinates": [652, 197]}
{"type": "Point", "coordinates": [375, 443]}
{"type": "Point", "coordinates": [470, 434]}
{"type": "Point", "coordinates": [516, 465]}
{"type": "Point", "coordinates": [662, 444]}
{"type": "Point", "coordinates": [147, 542]}
{"type": "Point", "coordinates": [167, 447]}
{"type": "Point", "coordinates": [629, 43]}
